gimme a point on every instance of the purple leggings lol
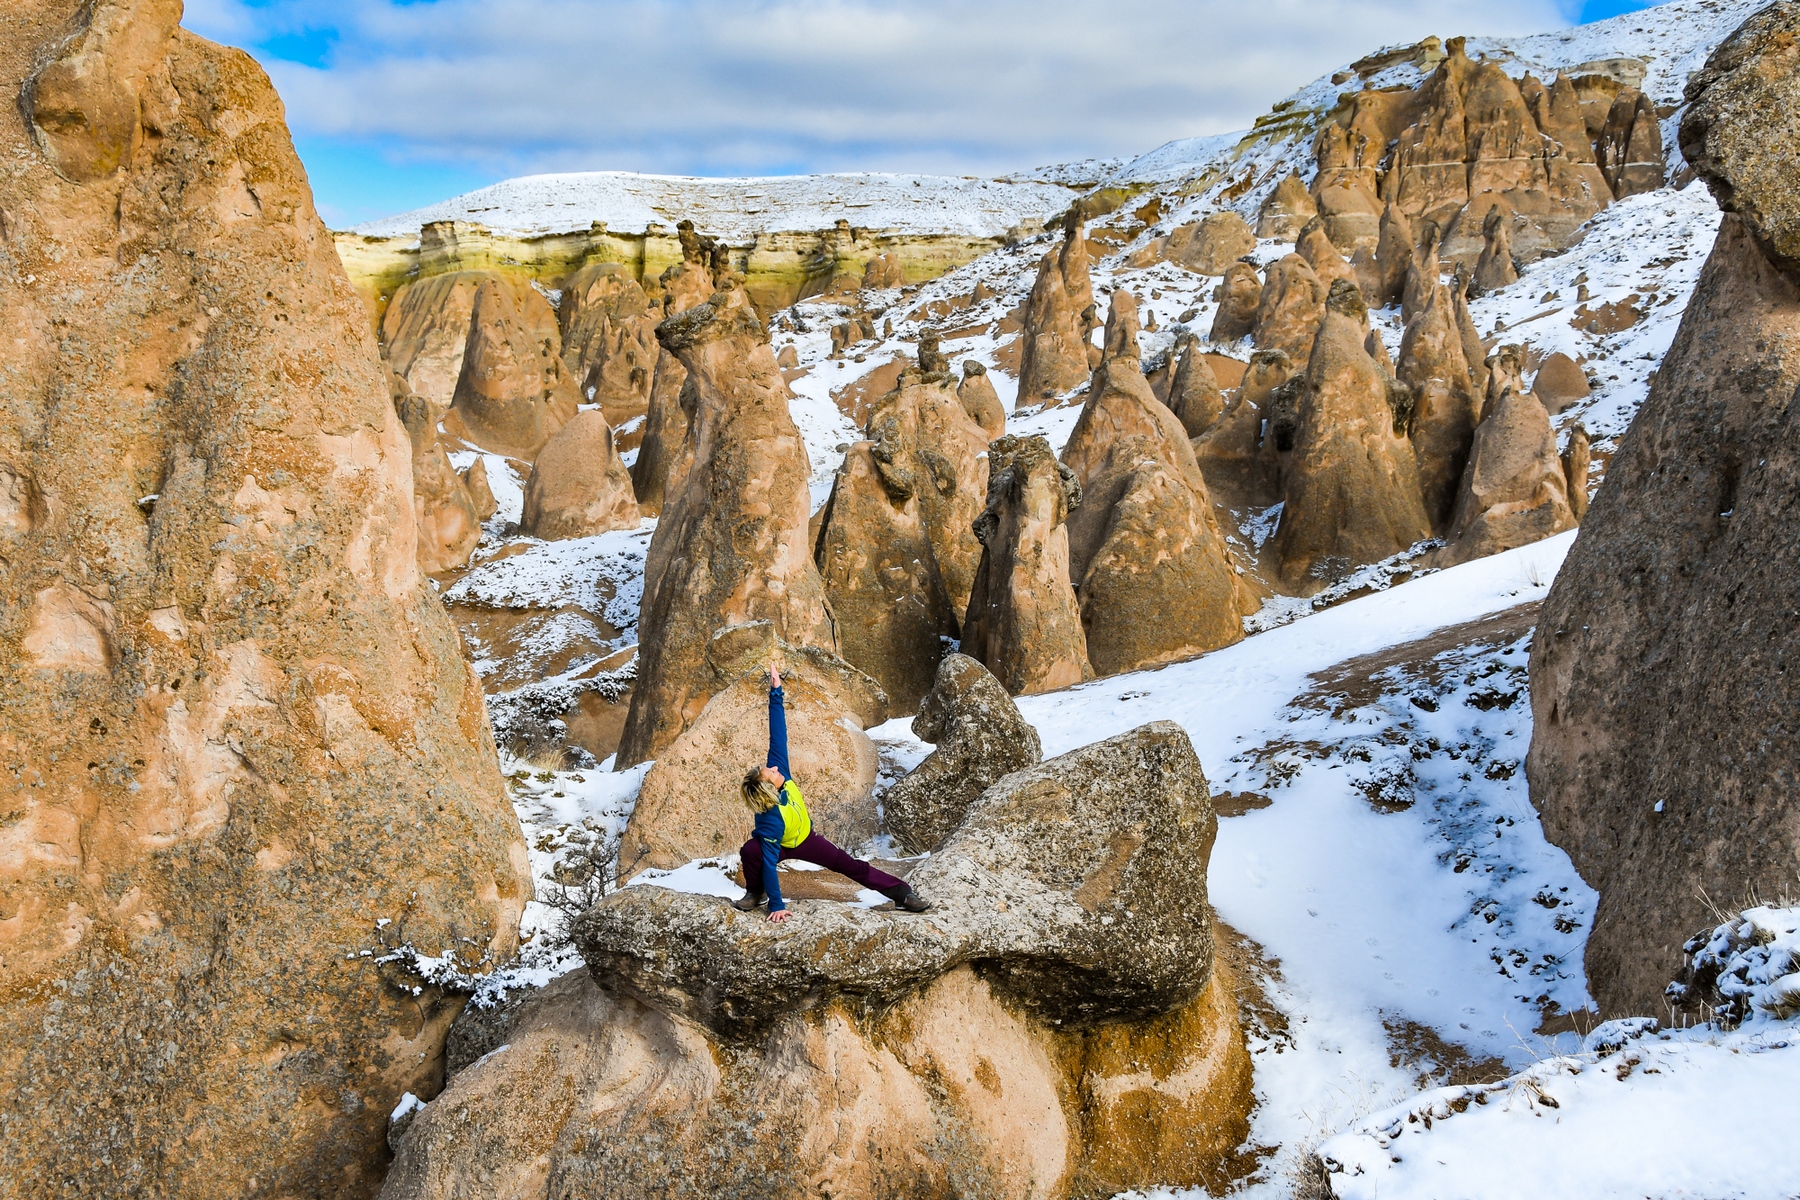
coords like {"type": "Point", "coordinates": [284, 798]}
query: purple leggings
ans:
{"type": "Point", "coordinates": [815, 849]}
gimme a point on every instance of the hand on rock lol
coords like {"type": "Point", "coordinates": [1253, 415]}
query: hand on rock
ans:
{"type": "Point", "coordinates": [774, 674]}
{"type": "Point", "coordinates": [780, 914]}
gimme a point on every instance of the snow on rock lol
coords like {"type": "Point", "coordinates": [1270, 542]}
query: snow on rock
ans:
{"type": "Point", "coordinates": [603, 574]}
{"type": "Point", "coordinates": [739, 209]}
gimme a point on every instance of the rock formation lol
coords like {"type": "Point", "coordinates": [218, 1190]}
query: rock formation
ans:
{"type": "Point", "coordinates": [1352, 490]}
{"type": "Point", "coordinates": [1146, 554]}
{"type": "Point", "coordinates": [665, 454]}
{"type": "Point", "coordinates": [1059, 321]}
{"type": "Point", "coordinates": [512, 393]}
{"type": "Point", "coordinates": [444, 510]}
{"type": "Point", "coordinates": [896, 544]}
{"type": "Point", "coordinates": [978, 736]}
{"type": "Point", "coordinates": [1495, 269]}
{"type": "Point", "coordinates": [1393, 258]}
{"type": "Point", "coordinates": [1663, 688]}
{"type": "Point", "coordinates": [1286, 211]}
{"type": "Point", "coordinates": [481, 494]}
{"type": "Point", "coordinates": [1631, 148]}
{"type": "Point", "coordinates": [1474, 349]}
{"type": "Point", "coordinates": [1513, 491]}
{"type": "Point", "coordinates": [689, 806]}
{"type": "Point", "coordinates": [1194, 395]}
{"type": "Point", "coordinates": [578, 486]}
{"type": "Point", "coordinates": [1287, 315]}
{"type": "Point", "coordinates": [1023, 622]}
{"type": "Point", "coordinates": [1058, 1028]}
{"type": "Point", "coordinates": [1322, 256]}
{"type": "Point", "coordinates": [1239, 294]}
{"type": "Point", "coordinates": [1446, 406]}
{"type": "Point", "coordinates": [1560, 382]}
{"type": "Point", "coordinates": [1424, 274]}
{"type": "Point", "coordinates": [1237, 466]}
{"type": "Point", "coordinates": [884, 271]}
{"type": "Point", "coordinates": [609, 340]}
{"type": "Point", "coordinates": [980, 401]}
{"type": "Point", "coordinates": [239, 725]}
{"type": "Point", "coordinates": [732, 546]}
{"type": "Point", "coordinates": [1576, 459]}
{"type": "Point", "coordinates": [1210, 245]}
{"type": "Point", "coordinates": [425, 333]}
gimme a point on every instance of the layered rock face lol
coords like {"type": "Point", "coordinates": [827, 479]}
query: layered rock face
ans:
{"type": "Point", "coordinates": [1059, 321]}
{"type": "Point", "coordinates": [1023, 621]}
{"type": "Point", "coordinates": [1145, 551]}
{"type": "Point", "coordinates": [978, 736]}
{"type": "Point", "coordinates": [896, 545]}
{"type": "Point", "coordinates": [578, 486]}
{"type": "Point", "coordinates": [1061, 1031]}
{"type": "Point", "coordinates": [1352, 493]}
{"type": "Point", "coordinates": [1663, 775]}
{"type": "Point", "coordinates": [1286, 211]}
{"type": "Point", "coordinates": [732, 546]}
{"type": "Point", "coordinates": [240, 725]}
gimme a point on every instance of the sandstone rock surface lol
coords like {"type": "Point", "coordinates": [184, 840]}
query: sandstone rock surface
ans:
{"type": "Point", "coordinates": [1495, 269]}
{"type": "Point", "coordinates": [1287, 315]}
{"type": "Point", "coordinates": [211, 594]}
{"type": "Point", "coordinates": [1446, 406]}
{"type": "Point", "coordinates": [578, 486]}
{"type": "Point", "coordinates": [609, 348]}
{"type": "Point", "coordinates": [665, 454]}
{"type": "Point", "coordinates": [732, 545]}
{"type": "Point", "coordinates": [1210, 245]}
{"type": "Point", "coordinates": [978, 737]}
{"type": "Point", "coordinates": [425, 333]}
{"type": "Point", "coordinates": [1630, 151]}
{"type": "Point", "coordinates": [1513, 491]}
{"type": "Point", "coordinates": [1239, 294]}
{"type": "Point", "coordinates": [1023, 621]}
{"type": "Point", "coordinates": [980, 401]}
{"type": "Point", "coordinates": [446, 513]}
{"type": "Point", "coordinates": [1559, 382]}
{"type": "Point", "coordinates": [1286, 211]}
{"type": "Point", "coordinates": [1194, 395]}
{"type": "Point", "coordinates": [1687, 561]}
{"type": "Point", "coordinates": [1059, 320]}
{"type": "Point", "coordinates": [512, 393]}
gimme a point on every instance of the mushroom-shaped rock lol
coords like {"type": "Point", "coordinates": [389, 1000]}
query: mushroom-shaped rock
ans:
{"type": "Point", "coordinates": [1286, 210]}
{"type": "Point", "coordinates": [1352, 494]}
{"type": "Point", "coordinates": [1210, 245]}
{"type": "Point", "coordinates": [732, 545]}
{"type": "Point", "coordinates": [1059, 321]}
{"type": "Point", "coordinates": [1513, 491]}
{"type": "Point", "coordinates": [1287, 314]}
{"type": "Point", "coordinates": [1074, 887]}
{"type": "Point", "coordinates": [1446, 406]}
{"type": "Point", "coordinates": [980, 401]}
{"type": "Point", "coordinates": [665, 454]}
{"type": "Point", "coordinates": [513, 392]}
{"type": "Point", "coordinates": [690, 807]}
{"type": "Point", "coordinates": [978, 736]}
{"type": "Point", "coordinates": [1024, 623]}
{"type": "Point", "coordinates": [578, 486]}
{"type": "Point", "coordinates": [1238, 294]}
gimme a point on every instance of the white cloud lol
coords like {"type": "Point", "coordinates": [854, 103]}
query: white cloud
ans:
{"type": "Point", "coordinates": [714, 86]}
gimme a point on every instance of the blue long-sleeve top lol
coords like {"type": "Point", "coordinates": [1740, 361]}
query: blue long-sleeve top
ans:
{"type": "Point", "coordinates": [768, 829]}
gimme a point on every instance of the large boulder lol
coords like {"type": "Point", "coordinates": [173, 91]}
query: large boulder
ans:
{"type": "Point", "coordinates": [1352, 491]}
{"type": "Point", "coordinates": [732, 545]}
{"type": "Point", "coordinates": [1287, 314]}
{"type": "Point", "coordinates": [1513, 491]}
{"type": "Point", "coordinates": [978, 736]}
{"type": "Point", "coordinates": [1663, 686]}
{"type": "Point", "coordinates": [1023, 622]}
{"type": "Point", "coordinates": [1560, 382]}
{"type": "Point", "coordinates": [243, 730]}
{"type": "Point", "coordinates": [578, 486]}
{"type": "Point", "coordinates": [896, 544]}
{"type": "Point", "coordinates": [1059, 321]}
{"type": "Point", "coordinates": [1146, 554]}
{"type": "Point", "coordinates": [1239, 295]}
{"type": "Point", "coordinates": [609, 340]}
{"type": "Point", "coordinates": [512, 393]}
{"type": "Point", "coordinates": [1446, 406]}
{"type": "Point", "coordinates": [689, 806]}
{"type": "Point", "coordinates": [1286, 210]}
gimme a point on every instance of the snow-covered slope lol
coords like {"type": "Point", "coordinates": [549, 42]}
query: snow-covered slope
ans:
{"type": "Point", "coordinates": [739, 209]}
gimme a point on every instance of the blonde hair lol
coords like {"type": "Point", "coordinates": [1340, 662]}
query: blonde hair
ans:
{"type": "Point", "coordinates": [759, 794]}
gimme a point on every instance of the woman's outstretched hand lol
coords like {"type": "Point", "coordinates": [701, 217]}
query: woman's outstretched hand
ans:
{"type": "Point", "coordinates": [780, 914]}
{"type": "Point", "coordinates": [774, 674]}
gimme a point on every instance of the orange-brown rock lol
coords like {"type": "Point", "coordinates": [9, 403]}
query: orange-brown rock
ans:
{"type": "Point", "coordinates": [665, 454]}
{"type": "Point", "coordinates": [884, 271]}
{"type": "Point", "coordinates": [1352, 491]}
{"type": "Point", "coordinates": [1474, 349]}
{"type": "Point", "coordinates": [481, 494]}
{"type": "Point", "coordinates": [1576, 459]}
{"type": "Point", "coordinates": [1557, 110]}
{"type": "Point", "coordinates": [1023, 622]}
{"type": "Point", "coordinates": [896, 544]}
{"type": "Point", "coordinates": [1231, 454]}
{"type": "Point", "coordinates": [1560, 382]}
{"type": "Point", "coordinates": [1059, 321]}
{"type": "Point", "coordinates": [1210, 245]}
{"type": "Point", "coordinates": [425, 333]}
{"type": "Point", "coordinates": [1631, 147]}
{"type": "Point", "coordinates": [1495, 269]}
{"type": "Point", "coordinates": [1513, 491]}
{"type": "Point", "coordinates": [609, 340]}
{"type": "Point", "coordinates": [1239, 294]}
{"type": "Point", "coordinates": [241, 726]}
{"type": "Point", "coordinates": [1446, 406]}
{"type": "Point", "coordinates": [1286, 210]}
{"type": "Point", "coordinates": [1393, 259]}
{"type": "Point", "coordinates": [1287, 315]}
{"type": "Point", "coordinates": [1194, 394]}
{"type": "Point", "coordinates": [578, 486]}
{"type": "Point", "coordinates": [513, 392]}
{"type": "Point", "coordinates": [731, 547]}
{"type": "Point", "coordinates": [1424, 273]}
{"type": "Point", "coordinates": [1322, 256]}
{"type": "Point", "coordinates": [980, 401]}
{"type": "Point", "coordinates": [445, 511]}
{"type": "Point", "coordinates": [1148, 560]}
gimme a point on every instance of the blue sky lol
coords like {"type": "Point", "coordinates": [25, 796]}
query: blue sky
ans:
{"type": "Point", "coordinates": [397, 103]}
